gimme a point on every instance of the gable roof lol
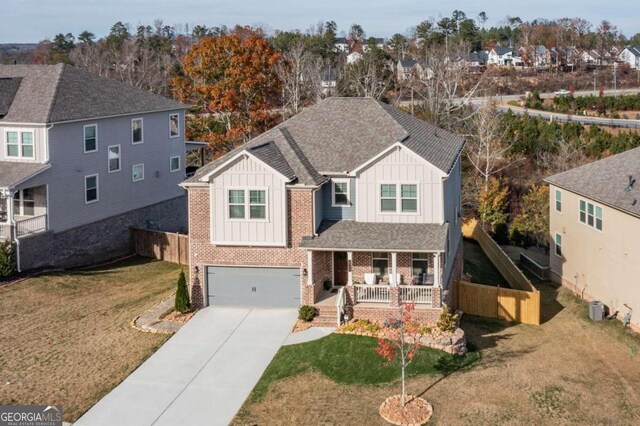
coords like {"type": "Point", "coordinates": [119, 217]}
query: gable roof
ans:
{"type": "Point", "coordinates": [503, 50]}
{"type": "Point", "coordinates": [634, 50]}
{"type": "Point", "coordinates": [408, 63]}
{"type": "Point", "coordinates": [58, 93]}
{"type": "Point", "coordinates": [8, 89]}
{"type": "Point", "coordinates": [606, 181]}
{"type": "Point", "coordinates": [337, 135]}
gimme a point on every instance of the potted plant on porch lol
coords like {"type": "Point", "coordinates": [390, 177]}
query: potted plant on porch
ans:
{"type": "Point", "coordinates": [399, 341]}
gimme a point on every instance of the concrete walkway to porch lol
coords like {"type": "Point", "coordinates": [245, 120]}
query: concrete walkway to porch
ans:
{"type": "Point", "coordinates": [308, 335]}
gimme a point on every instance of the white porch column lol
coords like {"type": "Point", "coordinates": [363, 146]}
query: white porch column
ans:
{"type": "Point", "coordinates": [309, 267]}
{"type": "Point", "coordinates": [350, 268]}
{"type": "Point", "coordinates": [437, 273]}
{"type": "Point", "coordinates": [394, 268]}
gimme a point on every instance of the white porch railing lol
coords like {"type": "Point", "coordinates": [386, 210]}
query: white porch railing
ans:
{"type": "Point", "coordinates": [415, 293]}
{"type": "Point", "coordinates": [31, 225]}
{"type": "Point", "coordinates": [5, 231]}
{"type": "Point", "coordinates": [372, 293]}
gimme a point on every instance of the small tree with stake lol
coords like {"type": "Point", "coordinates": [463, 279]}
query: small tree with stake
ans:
{"type": "Point", "coordinates": [182, 295]}
{"type": "Point", "coordinates": [400, 341]}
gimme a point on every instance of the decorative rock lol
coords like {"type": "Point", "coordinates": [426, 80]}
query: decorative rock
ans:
{"type": "Point", "coordinates": [417, 411]}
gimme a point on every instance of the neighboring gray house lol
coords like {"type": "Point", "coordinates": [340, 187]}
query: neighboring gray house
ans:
{"type": "Point", "coordinates": [631, 55]}
{"type": "Point", "coordinates": [82, 159]}
{"type": "Point", "coordinates": [350, 193]}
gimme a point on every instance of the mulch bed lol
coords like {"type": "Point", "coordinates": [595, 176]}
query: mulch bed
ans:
{"type": "Point", "coordinates": [175, 316]}
{"type": "Point", "coordinates": [301, 326]}
{"type": "Point", "coordinates": [417, 411]}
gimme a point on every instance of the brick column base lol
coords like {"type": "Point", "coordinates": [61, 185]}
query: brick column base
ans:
{"type": "Point", "coordinates": [436, 300]}
{"type": "Point", "coordinates": [394, 296]}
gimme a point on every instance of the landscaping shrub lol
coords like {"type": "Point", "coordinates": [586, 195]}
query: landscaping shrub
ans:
{"type": "Point", "coordinates": [182, 295]}
{"type": "Point", "coordinates": [327, 285]}
{"type": "Point", "coordinates": [362, 326]}
{"type": "Point", "coordinates": [447, 320]}
{"type": "Point", "coordinates": [306, 312]}
{"type": "Point", "coordinates": [7, 259]}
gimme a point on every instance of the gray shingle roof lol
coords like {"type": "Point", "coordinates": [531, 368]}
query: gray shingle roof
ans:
{"type": "Point", "coordinates": [408, 63]}
{"type": "Point", "coordinates": [12, 173]}
{"type": "Point", "coordinates": [8, 89]}
{"type": "Point", "coordinates": [270, 154]}
{"type": "Point", "coordinates": [339, 134]}
{"type": "Point", "coordinates": [351, 235]}
{"type": "Point", "coordinates": [605, 181]}
{"type": "Point", "coordinates": [504, 50]}
{"type": "Point", "coordinates": [56, 93]}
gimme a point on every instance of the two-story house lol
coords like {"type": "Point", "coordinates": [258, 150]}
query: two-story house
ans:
{"type": "Point", "coordinates": [352, 194]}
{"type": "Point", "coordinates": [83, 158]}
{"type": "Point", "coordinates": [594, 222]}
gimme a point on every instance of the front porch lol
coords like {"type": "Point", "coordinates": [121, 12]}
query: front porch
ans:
{"type": "Point", "coordinates": [23, 212]}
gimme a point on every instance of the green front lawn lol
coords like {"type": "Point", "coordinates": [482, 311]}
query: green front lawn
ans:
{"type": "Point", "coordinates": [350, 359]}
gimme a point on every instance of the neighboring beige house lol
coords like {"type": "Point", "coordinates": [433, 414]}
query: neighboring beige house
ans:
{"type": "Point", "coordinates": [594, 226]}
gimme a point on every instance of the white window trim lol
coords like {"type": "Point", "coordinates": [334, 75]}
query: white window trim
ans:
{"type": "Point", "coordinates": [399, 198]}
{"type": "Point", "coordinates": [555, 201]}
{"type": "Point", "coordinates": [586, 214]}
{"type": "Point", "coordinates": [171, 164]}
{"type": "Point", "coordinates": [97, 189]}
{"type": "Point", "coordinates": [84, 138]}
{"type": "Point", "coordinates": [19, 132]}
{"type": "Point", "coordinates": [21, 200]}
{"type": "Point", "coordinates": [556, 245]}
{"type": "Point", "coordinates": [247, 204]}
{"type": "Point", "coordinates": [333, 193]}
{"type": "Point", "coordinates": [141, 130]}
{"type": "Point", "coordinates": [178, 134]}
{"type": "Point", "coordinates": [119, 158]}
{"type": "Point", "coordinates": [133, 179]}
{"type": "Point", "coordinates": [381, 258]}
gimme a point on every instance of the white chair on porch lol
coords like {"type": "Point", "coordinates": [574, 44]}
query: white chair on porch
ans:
{"type": "Point", "coordinates": [370, 279]}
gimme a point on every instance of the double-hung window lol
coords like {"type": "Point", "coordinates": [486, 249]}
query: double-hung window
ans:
{"type": "Point", "coordinates": [136, 131]}
{"type": "Point", "coordinates": [558, 200]}
{"type": "Point", "coordinates": [113, 156]}
{"type": "Point", "coordinates": [23, 202]}
{"type": "Point", "coordinates": [174, 164]}
{"type": "Point", "coordinates": [90, 189]}
{"type": "Point", "coordinates": [380, 263]}
{"type": "Point", "coordinates": [90, 138]}
{"type": "Point", "coordinates": [341, 193]}
{"type": "Point", "coordinates": [398, 198]}
{"type": "Point", "coordinates": [558, 248]}
{"type": "Point", "coordinates": [174, 125]}
{"type": "Point", "coordinates": [591, 215]}
{"type": "Point", "coordinates": [247, 204]}
{"type": "Point", "coordinates": [420, 263]}
{"type": "Point", "coordinates": [20, 144]}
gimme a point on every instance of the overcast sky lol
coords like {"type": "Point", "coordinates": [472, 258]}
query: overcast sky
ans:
{"type": "Point", "coordinates": [27, 21]}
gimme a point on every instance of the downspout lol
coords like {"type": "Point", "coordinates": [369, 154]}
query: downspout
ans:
{"type": "Point", "coordinates": [46, 145]}
{"type": "Point", "coordinates": [14, 229]}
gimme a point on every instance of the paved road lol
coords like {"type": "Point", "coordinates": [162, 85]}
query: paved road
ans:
{"type": "Point", "coordinates": [202, 375]}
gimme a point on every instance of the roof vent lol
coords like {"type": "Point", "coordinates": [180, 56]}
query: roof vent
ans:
{"type": "Point", "coordinates": [631, 182]}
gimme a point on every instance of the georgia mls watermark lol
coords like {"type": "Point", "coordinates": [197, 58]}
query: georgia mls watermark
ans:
{"type": "Point", "coordinates": [30, 415]}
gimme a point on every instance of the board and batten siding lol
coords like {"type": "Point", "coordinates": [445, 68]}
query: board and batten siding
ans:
{"type": "Point", "coordinates": [338, 213]}
{"type": "Point", "coordinates": [400, 166]}
{"type": "Point", "coordinates": [452, 191]}
{"type": "Point", "coordinates": [247, 173]}
{"type": "Point", "coordinates": [39, 142]}
{"type": "Point", "coordinates": [116, 191]}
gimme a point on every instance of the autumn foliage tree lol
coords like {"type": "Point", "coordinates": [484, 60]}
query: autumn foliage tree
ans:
{"type": "Point", "coordinates": [533, 220]}
{"type": "Point", "coordinates": [493, 202]}
{"type": "Point", "coordinates": [232, 78]}
{"type": "Point", "coordinates": [399, 341]}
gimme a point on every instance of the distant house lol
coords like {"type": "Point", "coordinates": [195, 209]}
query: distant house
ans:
{"type": "Point", "coordinates": [478, 59]}
{"type": "Point", "coordinates": [342, 44]}
{"type": "Point", "coordinates": [594, 225]}
{"type": "Point", "coordinates": [503, 56]}
{"type": "Point", "coordinates": [409, 68]}
{"type": "Point", "coordinates": [631, 55]}
{"type": "Point", "coordinates": [329, 80]}
{"type": "Point", "coordinates": [353, 57]}
{"type": "Point", "coordinates": [83, 159]}
{"type": "Point", "coordinates": [591, 57]}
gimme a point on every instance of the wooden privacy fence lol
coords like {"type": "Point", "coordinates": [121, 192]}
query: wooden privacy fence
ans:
{"type": "Point", "coordinates": [521, 303]}
{"type": "Point", "coordinates": [495, 302]}
{"type": "Point", "coordinates": [166, 246]}
{"type": "Point", "coordinates": [502, 262]}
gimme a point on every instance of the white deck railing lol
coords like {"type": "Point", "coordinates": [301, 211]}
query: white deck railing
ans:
{"type": "Point", "coordinates": [372, 293]}
{"type": "Point", "coordinates": [415, 293]}
{"type": "Point", "coordinates": [31, 225]}
{"type": "Point", "coordinates": [5, 231]}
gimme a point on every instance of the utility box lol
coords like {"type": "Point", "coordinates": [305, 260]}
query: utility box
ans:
{"type": "Point", "coordinates": [596, 310]}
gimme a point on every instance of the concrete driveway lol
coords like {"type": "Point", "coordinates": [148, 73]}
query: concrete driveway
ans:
{"type": "Point", "coordinates": [202, 375]}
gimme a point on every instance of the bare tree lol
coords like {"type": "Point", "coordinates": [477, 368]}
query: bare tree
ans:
{"type": "Point", "coordinates": [300, 72]}
{"type": "Point", "coordinates": [486, 148]}
{"type": "Point", "coordinates": [369, 77]}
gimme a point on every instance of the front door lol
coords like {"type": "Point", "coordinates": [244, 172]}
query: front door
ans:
{"type": "Point", "coordinates": [340, 272]}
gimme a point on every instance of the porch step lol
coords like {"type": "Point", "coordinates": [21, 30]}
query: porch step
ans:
{"type": "Point", "coordinates": [326, 317]}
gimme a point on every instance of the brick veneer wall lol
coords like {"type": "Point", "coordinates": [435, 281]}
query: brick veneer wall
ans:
{"type": "Point", "coordinates": [202, 253]}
